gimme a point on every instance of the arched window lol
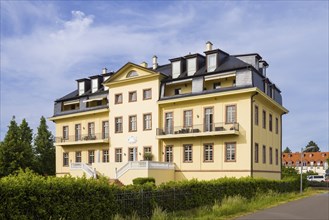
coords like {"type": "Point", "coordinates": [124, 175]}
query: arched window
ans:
{"type": "Point", "coordinates": [132, 74]}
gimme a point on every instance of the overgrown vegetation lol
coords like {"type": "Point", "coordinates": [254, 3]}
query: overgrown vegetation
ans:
{"type": "Point", "coordinates": [30, 196]}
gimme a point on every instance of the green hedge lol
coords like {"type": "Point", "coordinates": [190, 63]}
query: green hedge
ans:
{"type": "Point", "coordinates": [143, 180]}
{"type": "Point", "coordinates": [29, 196]}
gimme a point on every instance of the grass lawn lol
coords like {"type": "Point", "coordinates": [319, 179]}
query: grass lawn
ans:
{"type": "Point", "coordinates": [231, 207]}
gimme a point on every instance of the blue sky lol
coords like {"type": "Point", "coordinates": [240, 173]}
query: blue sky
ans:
{"type": "Point", "coordinates": [47, 45]}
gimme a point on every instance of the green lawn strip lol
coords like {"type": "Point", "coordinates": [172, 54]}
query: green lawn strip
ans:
{"type": "Point", "coordinates": [237, 206]}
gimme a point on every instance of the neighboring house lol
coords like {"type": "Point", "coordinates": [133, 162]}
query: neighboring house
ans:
{"type": "Point", "coordinates": [199, 116]}
{"type": "Point", "coordinates": [312, 161]}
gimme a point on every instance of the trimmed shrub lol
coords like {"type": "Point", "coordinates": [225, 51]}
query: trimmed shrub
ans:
{"type": "Point", "coordinates": [143, 180]}
{"type": "Point", "coordinates": [29, 196]}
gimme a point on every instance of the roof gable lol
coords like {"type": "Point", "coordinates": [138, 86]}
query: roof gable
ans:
{"type": "Point", "coordinates": [131, 71]}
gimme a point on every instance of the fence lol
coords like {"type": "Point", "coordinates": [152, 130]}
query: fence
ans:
{"type": "Point", "coordinates": [144, 201]}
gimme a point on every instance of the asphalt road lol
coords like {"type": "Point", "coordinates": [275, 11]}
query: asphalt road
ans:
{"type": "Point", "coordinates": [312, 208]}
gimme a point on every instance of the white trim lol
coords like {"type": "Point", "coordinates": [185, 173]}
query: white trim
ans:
{"type": "Point", "coordinates": [71, 102]}
{"type": "Point", "coordinates": [179, 81]}
{"type": "Point", "coordinates": [95, 99]}
{"type": "Point", "coordinates": [219, 76]}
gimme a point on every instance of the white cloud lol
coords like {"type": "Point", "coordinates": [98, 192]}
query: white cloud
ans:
{"type": "Point", "coordinates": [40, 64]}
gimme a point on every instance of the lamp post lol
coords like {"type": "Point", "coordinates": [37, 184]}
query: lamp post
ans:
{"type": "Point", "coordinates": [301, 166]}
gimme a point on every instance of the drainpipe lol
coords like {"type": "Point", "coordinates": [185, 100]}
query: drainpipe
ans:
{"type": "Point", "coordinates": [280, 156]}
{"type": "Point", "coordinates": [252, 134]}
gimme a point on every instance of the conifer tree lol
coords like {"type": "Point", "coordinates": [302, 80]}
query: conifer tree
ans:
{"type": "Point", "coordinates": [25, 146]}
{"type": "Point", "coordinates": [314, 145]}
{"type": "Point", "coordinates": [287, 150]}
{"type": "Point", "coordinates": [44, 149]}
{"type": "Point", "coordinates": [16, 149]}
{"type": "Point", "coordinates": [9, 155]}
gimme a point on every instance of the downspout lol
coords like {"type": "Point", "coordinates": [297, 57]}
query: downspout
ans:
{"type": "Point", "coordinates": [281, 144]}
{"type": "Point", "coordinates": [252, 134]}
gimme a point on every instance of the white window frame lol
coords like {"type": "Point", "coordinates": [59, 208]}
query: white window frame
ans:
{"type": "Point", "coordinates": [211, 62]}
{"type": "Point", "coordinates": [176, 69]}
{"type": "Point", "coordinates": [230, 152]}
{"type": "Point", "coordinates": [106, 156]}
{"type": "Point", "coordinates": [147, 118]}
{"type": "Point", "coordinates": [78, 157]}
{"type": "Point", "coordinates": [81, 88]}
{"type": "Point", "coordinates": [94, 85]}
{"type": "Point", "coordinates": [169, 122]}
{"type": "Point", "coordinates": [65, 132]}
{"type": "Point", "coordinates": [132, 123]}
{"type": "Point", "coordinates": [231, 114]}
{"type": "Point", "coordinates": [188, 153]}
{"type": "Point", "coordinates": [191, 66]}
{"type": "Point", "coordinates": [169, 154]}
{"type": "Point", "coordinates": [118, 124]}
{"type": "Point", "coordinates": [118, 155]}
{"type": "Point", "coordinates": [208, 151]}
{"type": "Point", "coordinates": [188, 118]}
{"type": "Point", "coordinates": [132, 154]}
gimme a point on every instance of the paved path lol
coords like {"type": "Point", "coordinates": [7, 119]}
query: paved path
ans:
{"type": "Point", "coordinates": [312, 208]}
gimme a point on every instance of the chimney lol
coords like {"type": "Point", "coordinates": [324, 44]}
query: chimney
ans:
{"type": "Point", "coordinates": [155, 62]}
{"type": "Point", "coordinates": [144, 64]}
{"type": "Point", "coordinates": [208, 46]}
{"type": "Point", "coordinates": [104, 71]}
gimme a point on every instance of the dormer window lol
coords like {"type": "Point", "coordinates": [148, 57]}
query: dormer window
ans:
{"type": "Point", "coordinates": [176, 69]}
{"type": "Point", "coordinates": [104, 79]}
{"type": "Point", "coordinates": [94, 85]}
{"type": "Point", "coordinates": [191, 66]}
{"type": "Point", "coordinates": [132, 73]}
{"type": "Point", "coordinates": [211, 62]}
{"type": "Point", "coordinates": [81, 88]}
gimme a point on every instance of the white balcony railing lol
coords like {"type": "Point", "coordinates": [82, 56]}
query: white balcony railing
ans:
{"type": "Point", "coordinates": [144, 165]}
{"type": "Point", "coordinates": [86, 168]}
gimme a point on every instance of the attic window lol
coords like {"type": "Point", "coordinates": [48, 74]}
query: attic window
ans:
{"type": "Point", "coordinates": [81, 88]}
{"type": "Point", "coordinates": [132, 73]}
{"type": "Point", "coordinates": [104, 79]}
{"type": "Point", "coordinates": [175, 69]}
{"type": "Point", "coordinates": [94, 84]}
{"type": "Point", "coordinates": [211, 62]}
{"type": "Point", "coordinates": [191, 66]}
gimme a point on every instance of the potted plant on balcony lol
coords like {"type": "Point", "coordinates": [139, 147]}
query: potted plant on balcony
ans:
{"type": "Point", "coordinates": [148, 156]}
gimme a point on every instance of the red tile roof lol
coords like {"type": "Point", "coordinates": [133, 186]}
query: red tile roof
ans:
{"type": "Point", "coordinates": [308, 157]}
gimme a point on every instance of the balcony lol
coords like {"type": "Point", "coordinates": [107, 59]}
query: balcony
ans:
{"type": "Point", "coordinates": [211, 129]}
{"type": "Point", "coordinates": [82, 139]}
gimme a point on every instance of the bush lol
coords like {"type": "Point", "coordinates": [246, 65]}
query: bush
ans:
{"type": "Point", "coordinates": [29, 196]}
{"type": "Point", "coordinates": [143, 180]}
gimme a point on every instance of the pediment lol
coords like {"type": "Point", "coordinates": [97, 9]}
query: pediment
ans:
{"type": "Point", "coordinates": [131, 71]}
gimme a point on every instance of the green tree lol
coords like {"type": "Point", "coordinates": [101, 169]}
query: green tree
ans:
{"type": "Point", "coordinates": [287, 150]}
{"type": "Point", "coordinates": [314, 145]}
{"type": "Point", "coordinates": [44, 150]}
{"type": "Point", "coordinates": [288, 172]}
{"type": "Point", "coordinates": [9, 152]}
{"type": "Point", "coordinates": [25, 146]}
{"type": "Point", "coordinates": [16, 149]}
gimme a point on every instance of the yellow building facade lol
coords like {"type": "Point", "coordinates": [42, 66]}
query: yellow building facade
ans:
{"type": "Point", "coordinates": [200, 116]}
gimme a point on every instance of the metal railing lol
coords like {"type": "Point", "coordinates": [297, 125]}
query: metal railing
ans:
{"type": "Point", "coordinates": [144, 165]}
{"type": "Point", "coordinates": [82, 137]}
{"type": "Point", "coordinates": [209, 127]}
{"type": "Point", "coordinates": [86, 168]}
